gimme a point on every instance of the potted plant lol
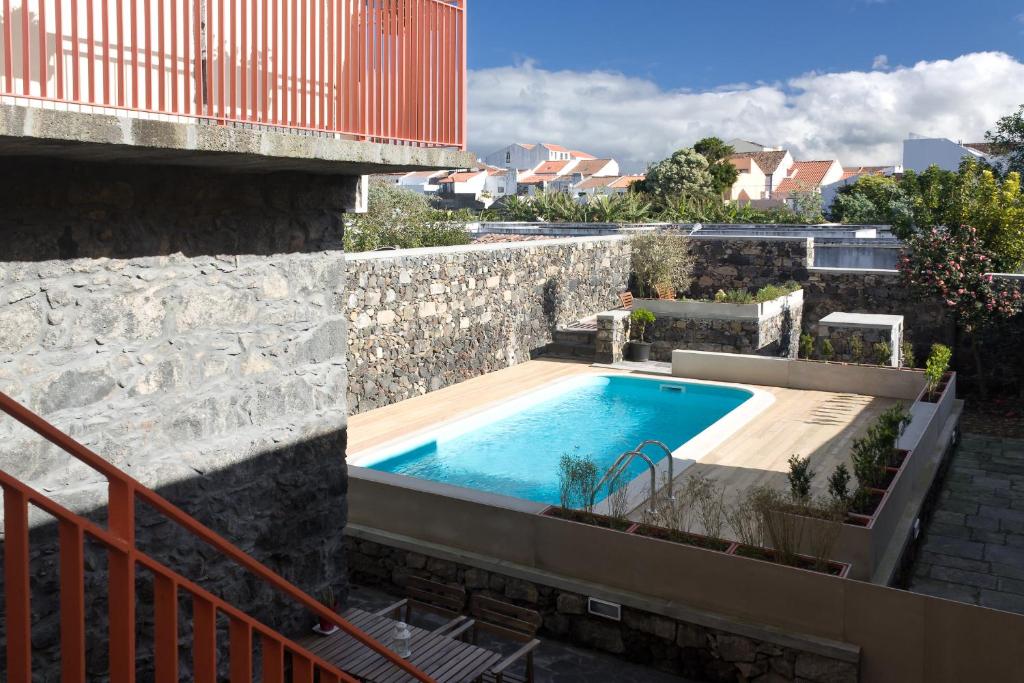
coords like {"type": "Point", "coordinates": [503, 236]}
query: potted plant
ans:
{"type": "Point", "coordinates": [325, 627]}
{"type": "Point", "coordinates": [640, 350]}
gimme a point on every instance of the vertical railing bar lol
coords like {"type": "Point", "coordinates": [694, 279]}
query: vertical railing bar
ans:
{"type": "Point", "coordinates": [165, 629]}
{"type": "Point", "coordinates": [294, 88]}
{"type": "Point", "coordinates": [91, 50]}
{"type": "Point", "coordinates": [17, 590]}
{"type": "Point", "coordinates": [320, 80]}
{"type": "Point", "coordinates": [302, 669]}
{"type": "Point", "coordinates": [273, 660]}
{"type": "Point", "coordinates": [422, 70]}
{"type": "Point", "coordinates": [8, 49]}
{"type": "Point", "coordinates": [75, 71]}
{"type": "Point", "coordinates": [72, 602]}
{"type": "Point", "coordinates": [204, 640]}
{"type": "Point", "coordinates": [464, 78]}
{"type": "Point", "coordinates": [274, 63]}
{"type": "Point", "coordinates": [119, 36]}
{"type": "Point", "coordinates": [174, 61]}
{"type": "Point", "coordinates": [303, 65]}
{"type": "Point", "coordinates": [133, 11]}
{"type": "Point", "coordinates": [26, 63]}
{"type": "Point", "coordinates": [43, 71]}
{"type": "Point", "coordinates": [186, 61]}
{"type": "Point", "coordinates": [220, 59]}
{"type": "Point", "coordinates": [147, 16]}
{"type": "Point", "coordinates": [121, 583]}
{"type": "Point", "coordinates": [58, 47]}
{"type": "Point", "coordinates": [230, 59]}
{"type": "Point", "coordinates": [243, 59]}
{"type": "Point", "coordinates": [208, 60]}
{"type": "Point", "coordinates": [240, 651]}
{"type": "Point", "coordinates": [332, 44]}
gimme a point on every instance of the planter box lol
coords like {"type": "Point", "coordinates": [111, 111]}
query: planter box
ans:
{"type": "Point", "coordinates": [589, 519]}
{"type": "Point", "coordinates": [683, 537]}
{"type": "Point", "coordinates": [839, 569]}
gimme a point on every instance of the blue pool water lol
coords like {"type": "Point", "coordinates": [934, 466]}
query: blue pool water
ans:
{"type": "Point", "coordinates": [517, 454]}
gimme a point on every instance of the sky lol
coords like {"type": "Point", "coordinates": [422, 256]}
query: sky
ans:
{"type": "Point", "coordinates": [846, 79]}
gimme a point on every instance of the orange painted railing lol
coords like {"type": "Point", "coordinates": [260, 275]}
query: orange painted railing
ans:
{"type": "Point", "coordinates": [385, 70]}
{"type": "Point", "coordinates": [123, 557]}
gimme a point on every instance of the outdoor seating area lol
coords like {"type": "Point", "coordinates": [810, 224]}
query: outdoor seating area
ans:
{"type": "Point", "coordinates": [441, 630]}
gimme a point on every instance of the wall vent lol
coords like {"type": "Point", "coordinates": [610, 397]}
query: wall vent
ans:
{"type": "Point", "coordinates": [604, 609]}
{"type": "Point", "coordinates": [673, 388]}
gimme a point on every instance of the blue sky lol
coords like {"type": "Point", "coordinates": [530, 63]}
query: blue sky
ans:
{"type": "Point", "coordinates": [826, 78]}
{"type": "Point", "coordinates": [699, 44]}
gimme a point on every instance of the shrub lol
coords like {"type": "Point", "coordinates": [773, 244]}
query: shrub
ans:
{"type": "Point", "coordinates": [399, 218]}
{"type": "Point", "coordinates": [641, 318]}
{"type": "Point", "coordinates": [800, 476]}
{"type": "Point", "coordinates": [806, 346]}
{"type": "Point", "coordinates": [744, 517]}
{"type": "Point", "coordinates": [856, 349]}
{"type": "Point", "coordinates": [735, 296]}
{"type": "Point", "coordinates": [839, 484]}
{"type": "Point", "coordinates": [661, 258]}
{"type": "Point", "coordinates": [869, 460]}
{"type": "Point", "coordinates": [577, 480]}
{"type": "Point", "coordinates": [892, 421]}
{"type": "Point", "coordinates": [907, 359]}
{"type": "Point", "coordinates": [936, 365]}
{"type": "Point", "coordinates": [883, 354]}
{"type": "Point", "coordinates": [771, 292]}
{"type": "Point", "coordinates": [707, 497]}
{"type": "Point", "coordinates": [827, 350]}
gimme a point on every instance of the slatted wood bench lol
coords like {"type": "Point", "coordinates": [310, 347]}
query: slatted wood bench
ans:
{"type": "Point", "coordinates": [432, 597]}
{"type": "Point", "coordinates": [507, 621]}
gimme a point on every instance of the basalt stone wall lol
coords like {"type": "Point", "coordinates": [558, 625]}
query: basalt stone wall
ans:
{"type": "Point", "coordinates": [424, 319]}
{"type": "Point", "coordinates": [747, 262]}
{"type": "Point", "coordinates": [189, 327]}
{"type": "Point", "coordinates": [691, 650]}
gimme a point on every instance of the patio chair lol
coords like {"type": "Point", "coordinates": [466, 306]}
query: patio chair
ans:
{"type": "Point", "coordinates": [507, 621]}
{"type": "Point", "coordinates": [435, 598]}
{"type": "Point", "coordinates": [665, 292]}
{"type": "Point", "coordinates": [626, 298]}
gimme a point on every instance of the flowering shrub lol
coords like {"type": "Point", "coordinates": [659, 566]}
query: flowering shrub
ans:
{"type": "Point", "coordinates": [953, 266]}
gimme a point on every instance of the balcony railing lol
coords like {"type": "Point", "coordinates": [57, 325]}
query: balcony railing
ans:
{"type": "Point", "coordinates": [390, 71]}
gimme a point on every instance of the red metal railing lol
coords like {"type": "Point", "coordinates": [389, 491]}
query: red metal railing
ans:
{"type": "Point", "coordinates": [384, 70]}
{"type": "Point", "coordinates": [122, 560]}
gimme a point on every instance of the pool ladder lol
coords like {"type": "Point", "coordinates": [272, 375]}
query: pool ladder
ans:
{"type": "Point", "coordinates": [624, 461]}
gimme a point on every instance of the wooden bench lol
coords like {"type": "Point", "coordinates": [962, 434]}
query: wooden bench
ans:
{"type": "Point", "coordinates": [626, 298]}
{"type": "Point", "coordinates": [435, 598]}
{"type": "Point", "coordinates": [507, 621]}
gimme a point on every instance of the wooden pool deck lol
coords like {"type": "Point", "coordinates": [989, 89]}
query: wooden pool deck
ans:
{"type": "Point", "coordinates": [818, 424]}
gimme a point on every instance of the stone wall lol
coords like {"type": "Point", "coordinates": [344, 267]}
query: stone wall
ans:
{"type": "Point", "coordinates": [748, 262]}
{"type": "Point", "coordinates": [424, 319]}
{"type": "Point", "coordinates": [691, 650]}
{"type": "Point", "coordinates": [189, 327]}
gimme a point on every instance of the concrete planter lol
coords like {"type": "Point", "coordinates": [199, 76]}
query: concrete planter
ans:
{"type": "Point", "coordinates": [838, 569]}
{"type": "Point", "coordinates": [639, 351]}
{"type": "Point", "coordinates": [591, 519]}
{"type": "Point", "coordinates": [714, 310]}
{"type": "Point", "coordinates": [683, 538]}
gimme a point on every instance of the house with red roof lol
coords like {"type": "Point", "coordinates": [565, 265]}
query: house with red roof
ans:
{"type": "Point", "coordinates": [525, 156]}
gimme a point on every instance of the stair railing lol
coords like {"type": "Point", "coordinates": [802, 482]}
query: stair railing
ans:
{"type": "Point", "coordinates": [123, 556]}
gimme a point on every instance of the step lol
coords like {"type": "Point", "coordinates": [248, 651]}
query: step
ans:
{"type": "Point", "coordinates": [562, 350]}
{"type": "Point", "coordinates": [568, 335]}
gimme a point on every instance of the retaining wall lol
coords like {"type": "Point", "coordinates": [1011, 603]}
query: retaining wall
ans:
{"type": "Point", "coordinates": [423, 319]}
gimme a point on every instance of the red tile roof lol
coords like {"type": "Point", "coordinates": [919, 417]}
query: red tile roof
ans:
{"type": "Point", "coordinates": [864, 170]}
{"type": "Point", "coordinates": [554, 148]}
{"type": "Point", "coordinates": [576, 154]}
{"type": "Point", "coordinates": [627, 180]}
{"type": "Point", "coordinates": [805, 175]}
{"type": "Point", "coordinates": [589, 167]}
{"type": "Point", "coordinates": [591, 183]}
{"type": "Point", "coordinates": [551, 167]}
{"type": "Point", "coordinates": [461, 177]}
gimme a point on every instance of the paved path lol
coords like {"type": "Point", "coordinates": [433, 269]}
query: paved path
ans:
{"type": "Point", "coordinates": [973, 549]}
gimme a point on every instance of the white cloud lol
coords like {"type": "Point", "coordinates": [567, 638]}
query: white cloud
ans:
{"type": "Point", "coordinates": [856, 116]}
{"type": "Point", "coordinates": [880, 63]}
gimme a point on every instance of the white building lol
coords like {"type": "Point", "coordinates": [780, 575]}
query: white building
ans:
{"type": "Point", "coordinates": [772, 167]}
{"type": "Point", "coordinates": [920, 152]}
{"type": "Point", "coordinates": [740, 146]}
{"type": "Point", "coordinates": [523, 156]}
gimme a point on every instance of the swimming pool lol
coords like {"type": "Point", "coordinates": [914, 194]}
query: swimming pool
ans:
{"type": "Point", "coordinates": [514, 448]}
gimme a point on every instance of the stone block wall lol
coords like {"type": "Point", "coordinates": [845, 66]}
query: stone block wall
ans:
{"type": "Point", "coordinates": [695, 651]}
{"type": "Point", "coordinates": [189, 327]}
{"type": "Point", "coordinates": [747, 262]}
{"type": "Point", "coordinates": [424, 319]}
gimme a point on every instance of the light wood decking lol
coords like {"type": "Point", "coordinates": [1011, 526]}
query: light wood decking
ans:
{"type": "Point", "coordinates": [818, 424]}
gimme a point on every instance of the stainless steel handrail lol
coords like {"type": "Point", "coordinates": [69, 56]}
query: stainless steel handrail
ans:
{"type": "Point", "coordinates": [616, 469]}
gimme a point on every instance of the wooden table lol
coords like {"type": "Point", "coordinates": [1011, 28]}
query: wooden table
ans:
{"type": "Point", "coordinates": [444, 659]}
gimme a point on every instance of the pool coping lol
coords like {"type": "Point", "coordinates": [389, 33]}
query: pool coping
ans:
{"type": "Point", "coordinates": [686, 455]}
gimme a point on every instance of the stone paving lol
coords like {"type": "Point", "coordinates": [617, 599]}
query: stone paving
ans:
{"type": "Point", "coordinates": [973, 549]}
{"type": "Point", "coordinates": [554, 662]}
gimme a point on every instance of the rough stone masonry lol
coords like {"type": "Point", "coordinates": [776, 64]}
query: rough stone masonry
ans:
{"type": "Point", "coordinates": [189, 326]}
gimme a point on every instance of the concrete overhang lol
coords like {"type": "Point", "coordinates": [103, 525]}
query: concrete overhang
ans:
{"type": "Point", "coordinates": [33, 131]}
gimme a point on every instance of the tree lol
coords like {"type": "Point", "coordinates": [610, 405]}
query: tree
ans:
{"type": "Point", "coordinates": [995, 208]}
{"type": "Point", "coordinates": [1008, 140]}
{"type": "Point", "coordinates": [403, 219]}
{"type": "Point", "coordinates": [683, 173]}
{"type": "Point", "coordinates": [717, 153]}
{"type": "Point", "coordinates": [874, 200]}
{"type": "Point", "coordinates": [952, 265]}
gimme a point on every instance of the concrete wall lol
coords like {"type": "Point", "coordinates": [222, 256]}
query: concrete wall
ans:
{"type": "Point", "coordinates": [423, 319]}
{"type": "Point", "coordinates": [189, 327]}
